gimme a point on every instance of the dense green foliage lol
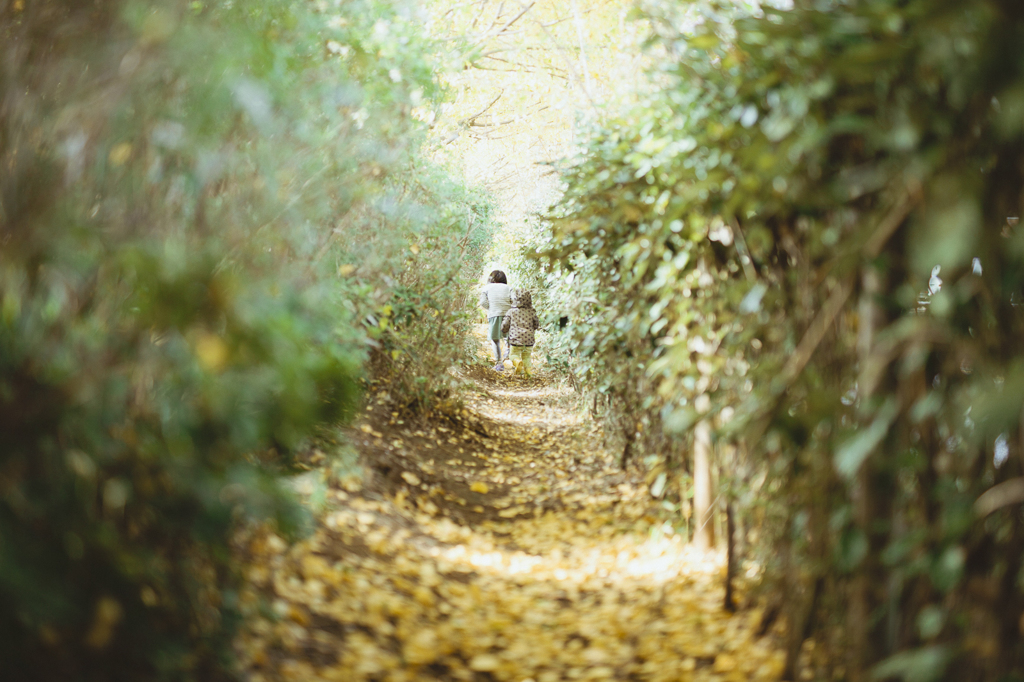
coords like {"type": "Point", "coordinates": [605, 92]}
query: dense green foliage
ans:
{"type": "Point", "coordinates": [209, 214]}
{"type": "Point", "coordinates": [753, 247]}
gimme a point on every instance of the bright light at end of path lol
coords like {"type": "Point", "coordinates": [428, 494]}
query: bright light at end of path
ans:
{"type": "Point", "coordinates": [626, 559]}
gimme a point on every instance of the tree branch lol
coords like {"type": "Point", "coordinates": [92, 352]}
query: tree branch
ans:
{"type": "Point", "coordinates": [813, 336]}
{"type": "Point", "coordinates": [998, 496]}
{"type": "Point", "coordinates": [469, 119]}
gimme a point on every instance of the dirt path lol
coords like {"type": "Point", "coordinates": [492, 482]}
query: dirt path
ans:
{"type": "Point", "coordinates": [503, 545]}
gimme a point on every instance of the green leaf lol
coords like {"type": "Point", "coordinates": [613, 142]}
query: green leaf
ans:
{"type": "Point", "coordinates": [851, 455]}
{"type": "Point", "coordinates": [919, 665]}
{"type": "Point", "coordinates": [946, 235]}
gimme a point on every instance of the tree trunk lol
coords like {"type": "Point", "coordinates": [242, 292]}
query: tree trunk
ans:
{"type": "Point", "coordinates": [872, 500]}
{"type": "Point", "coordinates": [704, 529]}
{"type": "Point", "coordinates": [730, 557]}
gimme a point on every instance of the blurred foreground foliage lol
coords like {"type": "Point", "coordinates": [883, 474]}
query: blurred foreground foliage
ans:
{"type": "Point", "coordinates": [209, 214]}
{"type": "Point", "coordinates": [755, 249]}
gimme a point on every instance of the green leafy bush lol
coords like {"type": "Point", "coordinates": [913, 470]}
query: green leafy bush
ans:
{"type": "Point", "coordinates": [758, 241]}
{"type": "Point", "coordinates": [421, 330]}
{"type": "Point", "coordinates": [200, 205]}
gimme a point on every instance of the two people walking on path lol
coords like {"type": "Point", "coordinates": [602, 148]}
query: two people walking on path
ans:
{"type": "Point", "coordinates": [510, 315]}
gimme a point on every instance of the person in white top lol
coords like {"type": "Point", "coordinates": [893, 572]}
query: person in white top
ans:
{"type": "Point", "coordinates": [496, 297]}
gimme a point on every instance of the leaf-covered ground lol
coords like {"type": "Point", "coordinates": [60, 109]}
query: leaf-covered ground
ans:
{"type": "Point", "coordinates": [501, 545]}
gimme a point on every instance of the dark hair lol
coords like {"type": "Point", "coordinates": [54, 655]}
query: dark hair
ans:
{"type": "Point", "coordinates": [497, 276]}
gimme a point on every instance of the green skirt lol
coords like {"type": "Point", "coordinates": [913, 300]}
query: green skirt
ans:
{"type": "Point", "coordinates": [494, 333]}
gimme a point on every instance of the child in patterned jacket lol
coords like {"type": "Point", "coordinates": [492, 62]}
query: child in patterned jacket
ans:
{"type": "Point", "coordinates": [519, 323]}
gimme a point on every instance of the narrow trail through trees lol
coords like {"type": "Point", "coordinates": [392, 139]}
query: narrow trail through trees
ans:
{"type": "Point", "coordinates": [502, 545]}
